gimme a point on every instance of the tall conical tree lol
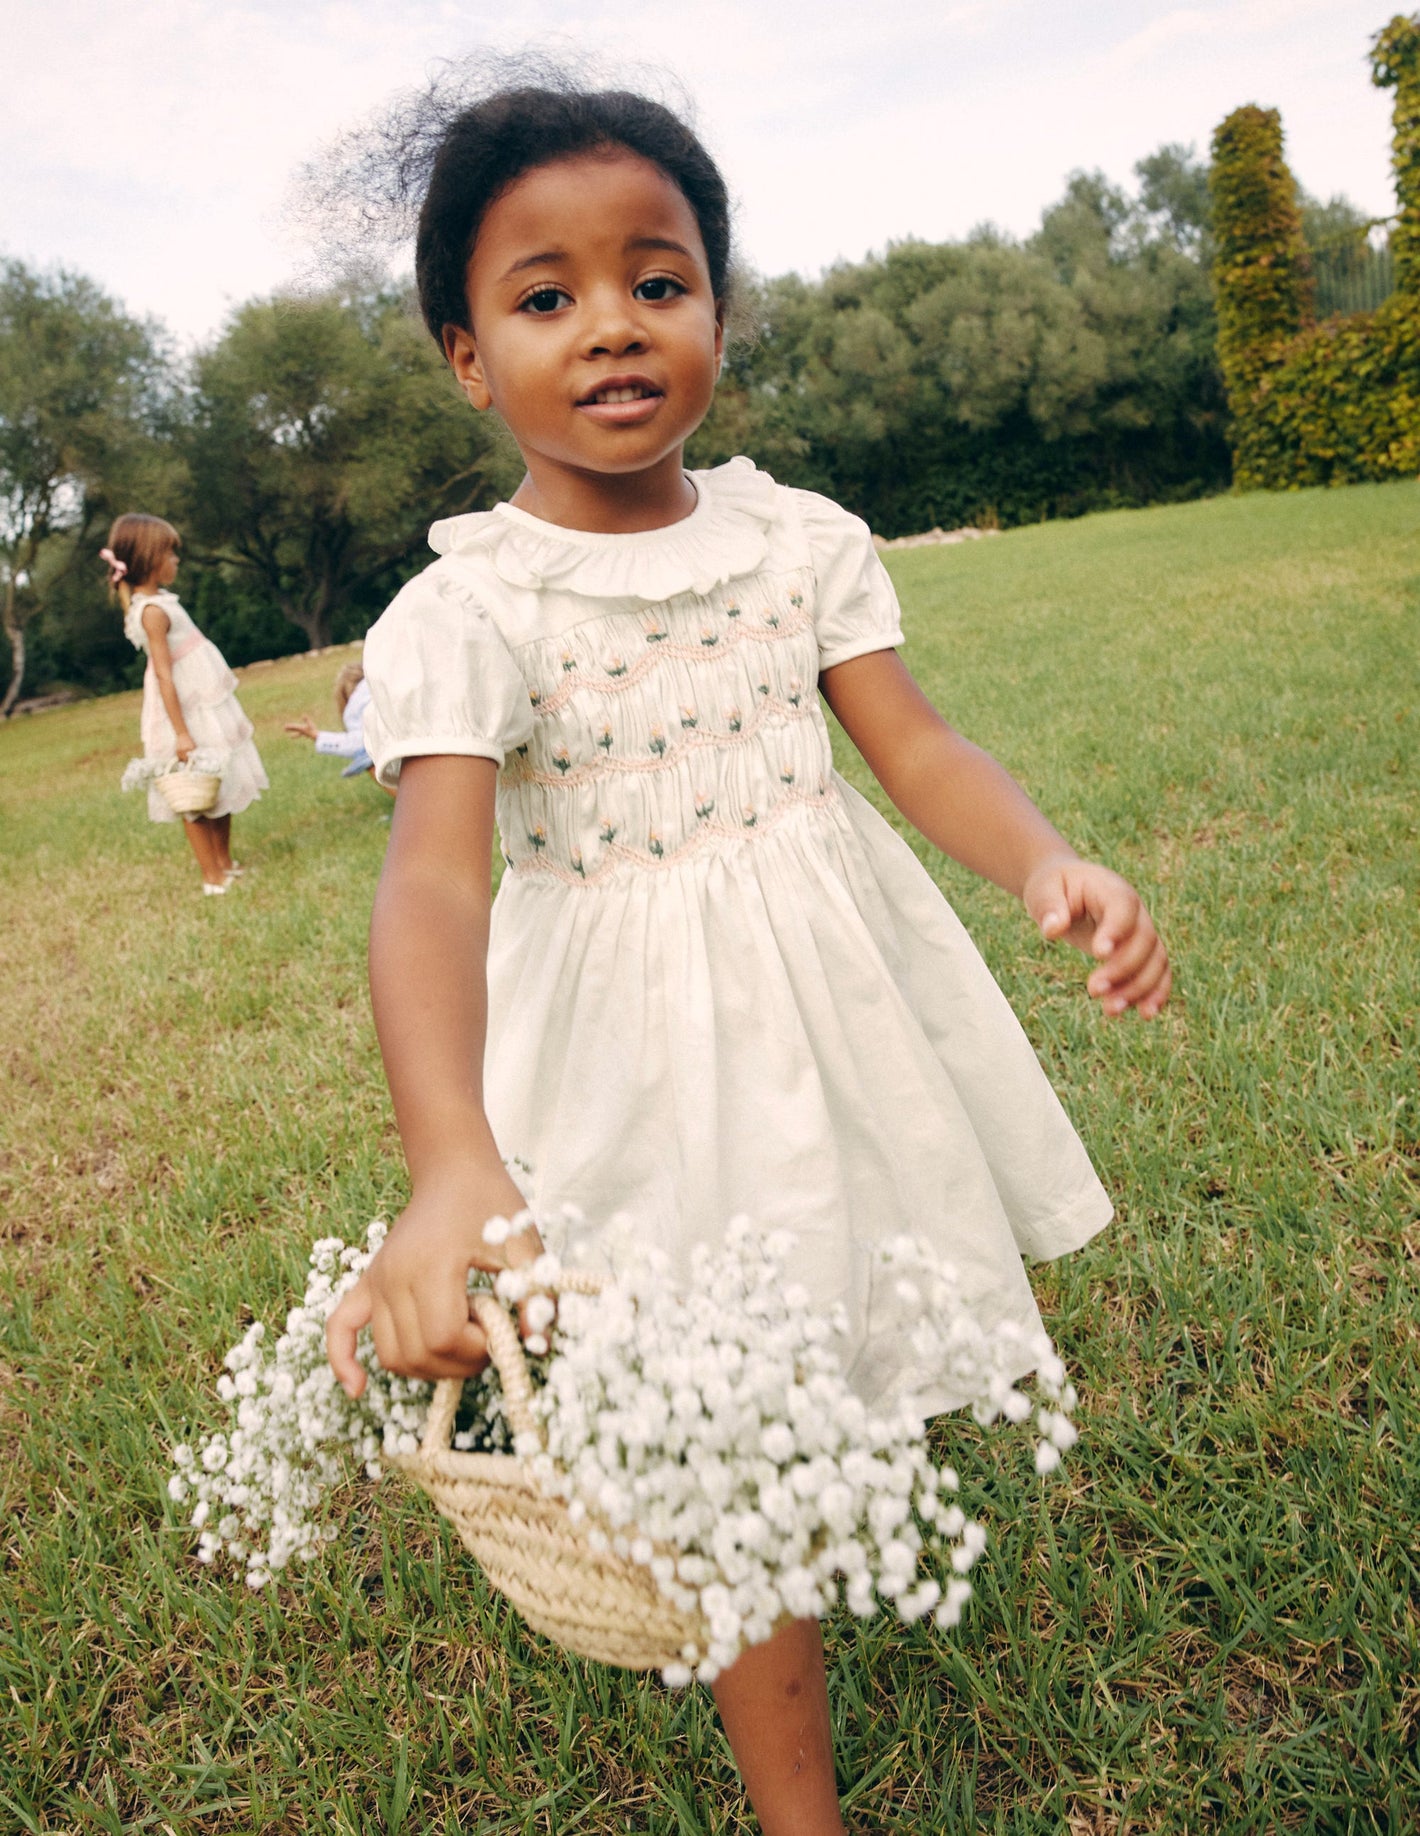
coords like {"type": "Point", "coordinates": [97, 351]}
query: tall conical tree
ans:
{"type": "Point", "coordinates": [1261, 269]}
{"type": "Point", "coordinates": [1395, 64]}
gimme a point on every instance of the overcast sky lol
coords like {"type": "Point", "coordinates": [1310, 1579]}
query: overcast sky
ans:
{"type": "Point", "coordinates": [149, 143]}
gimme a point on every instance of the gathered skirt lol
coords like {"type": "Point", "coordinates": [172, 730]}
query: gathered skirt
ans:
{"type": "Point", "coordinates": [799, 1028]}
{"type": "Point", "coordinates": [206, 690]}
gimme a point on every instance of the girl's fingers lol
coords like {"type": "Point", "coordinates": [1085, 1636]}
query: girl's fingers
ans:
{"type": "Point", "coordinates": [1136, 988]}
{"type": "Point", "coordinates": [1154, 1001]}
{"type": "Point", "coordinates": [1118, 916]}
{"type": "Point", "coordinates": [1125, 960]}
{"type": "Point", "coordinates": [342, 1330]}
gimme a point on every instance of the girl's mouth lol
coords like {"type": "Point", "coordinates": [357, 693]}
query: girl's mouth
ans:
{"type": "Point", "coordinates": [622, 402]}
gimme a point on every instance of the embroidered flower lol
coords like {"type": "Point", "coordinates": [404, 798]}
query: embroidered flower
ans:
{"type": "Point", "coordinates": [786, 773]}
{"type": "Point", "coordinates": [655, 844]}
{"type": "Point", "coordinates": [689, 717]}
{"type": "Point", "coordinates": [796, 600]}
{"type": "Point", "coordinates": [604, 738]}
{"type": "Point", "coordinates": [535, 696]}
{"type": "Point", "coordinates": [796, 691]}
{"type": "Point", "coordinates": [538, 837]}
{"type": "Point", "coordinates": [709, 637]}
{"type": "Point", "coordinates": [704, 805]}
{"type": "Point", "coordinates": [771, 618]}
{"type": "Point", "coordinates": [750, 815]}
{"type": "Point", "coordinates": [733, 719]}
{"type": "Point", "coordinates": [577, 866]}
{"type": "Point", "coordinates": [763, 687]}
{"type": "Point", "coordinates": [657, 741]}
{"type": "Point", "coordinates": [656, 632]}
{"type": "Point", "coordinates": [609, 830]}
{"type": "Point", "coordinates": [615, 665]}
{"type": "Point", "coordinates": [562, 759]}
{"type": "Point", "coordinates": [732, 610]}
{"type": "Point", "coordinates": [568, 660]}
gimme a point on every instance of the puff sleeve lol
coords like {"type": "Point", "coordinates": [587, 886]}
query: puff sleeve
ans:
{"type": "Point", "coordinates": [855, 606]}
{"type": "Point", "coordinates": [442, 679]}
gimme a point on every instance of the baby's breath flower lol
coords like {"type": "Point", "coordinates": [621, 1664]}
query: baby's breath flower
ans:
{"type": "Point", "coordinates": [703, 1430]}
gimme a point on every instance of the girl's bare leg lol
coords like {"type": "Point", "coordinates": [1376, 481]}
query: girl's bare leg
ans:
{"type": "Point", "coordinates": [773, 1701]}
{"type": "Point", "coordinates": [204, 846]}
{"type": "Point", "coordinates": [221, 827]}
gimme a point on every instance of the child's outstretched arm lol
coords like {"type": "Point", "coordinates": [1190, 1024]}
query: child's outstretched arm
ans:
{"type": "Point", "coordinates": [428, 954]}
{"type": "Point", "coordinates": [972, 808]}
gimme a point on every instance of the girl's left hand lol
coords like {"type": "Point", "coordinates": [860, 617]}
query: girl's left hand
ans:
{"type": "Point", "coordinates": [1101, 914]}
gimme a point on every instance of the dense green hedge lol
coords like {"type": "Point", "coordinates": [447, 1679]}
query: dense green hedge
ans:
{"type": "Point", "coordinates": [1333, 403]}
{"type": "Point", "coordinates": [1341, 406]}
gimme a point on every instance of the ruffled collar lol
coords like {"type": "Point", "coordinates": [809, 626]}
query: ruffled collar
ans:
{"type": "Point", "coordinates": [725, 536]}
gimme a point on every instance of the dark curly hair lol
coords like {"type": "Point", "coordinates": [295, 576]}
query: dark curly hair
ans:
{"type": "Point", "coordinates": [486, 147]}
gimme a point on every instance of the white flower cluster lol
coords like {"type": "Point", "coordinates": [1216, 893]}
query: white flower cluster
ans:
{"type": "Point", "coordinates": [261, 1486]}
{"type": "Point", "coordinates": [704, 1430]}
{"type": "Point", "coordinates": [138, 774]}
{"type": "Point", "coordinates": [708, 1432]}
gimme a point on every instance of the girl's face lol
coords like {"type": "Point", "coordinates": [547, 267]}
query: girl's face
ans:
{"type": "Point", "coordinates": [167, 569]}
{"type": "Point", "coordinates": [595, 331]}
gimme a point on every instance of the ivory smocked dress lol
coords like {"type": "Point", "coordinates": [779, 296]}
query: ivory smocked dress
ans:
{"type": "Point", "coordinates": [718, 981]}
{"type": "Point", "coordinates": [207, 692]}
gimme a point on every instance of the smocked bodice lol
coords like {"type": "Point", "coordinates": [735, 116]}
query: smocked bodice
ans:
{"type": "Point", "coordinates": [650, 698]}
{"type": "Point", "coordinates": [663, 733]}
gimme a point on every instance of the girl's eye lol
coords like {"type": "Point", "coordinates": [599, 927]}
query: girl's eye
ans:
{"type": "Point", "coordinates": [658, 287]}
{"type": "Point", "coordinates": [544, 300]}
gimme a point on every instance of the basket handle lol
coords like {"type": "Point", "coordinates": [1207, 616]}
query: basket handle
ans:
{"type": "Point", "coordinates": [505, 1348]}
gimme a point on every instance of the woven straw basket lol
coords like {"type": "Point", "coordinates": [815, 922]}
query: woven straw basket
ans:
{"type": "Point", "coordinates": [591, 1602]}
{"type": "Point", "coordinates": [189, 793]}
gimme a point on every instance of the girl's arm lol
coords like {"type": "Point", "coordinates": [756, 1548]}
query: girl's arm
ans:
{"type": "Point", "coordinates": [428, 955]}
{"type": "Point", "coordinates": [342, 745]}
{"type": "Point", "coordinates": [155, 623]}
{"type": "Point", "coordinates": [972, 809]}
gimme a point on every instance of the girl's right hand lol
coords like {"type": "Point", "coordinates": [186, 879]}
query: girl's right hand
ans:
{"type": "Point", "coordinates": [414, 1295]}
{"type": "Point", "coordinates": [304, 728]}
{"type": "Point", "coordinates": [185, 745]}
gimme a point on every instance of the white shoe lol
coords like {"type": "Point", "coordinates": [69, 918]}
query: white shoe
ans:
{"type": "Point", "coordinates": [209, 891]}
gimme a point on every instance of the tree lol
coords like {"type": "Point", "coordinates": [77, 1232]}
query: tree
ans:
{"type": "Point", "coordinates": [82, 389]}
{"type": "Point", "coordinates": [1261, 267]}
{"type": "Point", "coordinates": [324, 437]}
{"type": "Point", "coordinates": [993, 379]}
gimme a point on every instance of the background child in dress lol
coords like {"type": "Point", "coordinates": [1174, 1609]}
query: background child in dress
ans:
{"type": "Point", "coordinates": [352, 697]}
{"type": "Point", "coordinates": [713, 979]}
{"type": "Point", "coordinates": [189, 694]}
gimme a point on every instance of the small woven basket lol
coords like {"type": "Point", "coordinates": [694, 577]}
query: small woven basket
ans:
{"type": "Point", "coordinates": [591, 1602]}
{"type": "Point", "coordinates": [189, 793]}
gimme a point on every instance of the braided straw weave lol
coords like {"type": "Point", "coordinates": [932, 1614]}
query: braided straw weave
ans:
{"type": "Point", "coordinates": [189, 793]}
{"type": "Point", "coordinates": [592, 1602]}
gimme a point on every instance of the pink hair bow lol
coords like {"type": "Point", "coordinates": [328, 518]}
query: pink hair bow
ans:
{"type": "Point", "coordinates": [116, 569]}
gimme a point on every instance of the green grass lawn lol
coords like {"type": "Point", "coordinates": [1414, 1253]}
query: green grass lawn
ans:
{"type": "Point", "coordinates": [1209, 1624]}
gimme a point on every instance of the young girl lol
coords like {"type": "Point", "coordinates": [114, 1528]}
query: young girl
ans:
{"type": "Point", "coordinates": [352, 697]}
{"type": "Point", "coordinates": [189, 697]}
{"type": "Point", "coordinates": [714, 979]}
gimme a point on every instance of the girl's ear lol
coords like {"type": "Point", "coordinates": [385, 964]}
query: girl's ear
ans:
{"type": "Point", "coordinates": [462, 354]}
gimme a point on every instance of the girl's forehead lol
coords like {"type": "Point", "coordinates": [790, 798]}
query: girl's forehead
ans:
{"type": "Point", "coordinates": [582, 204]}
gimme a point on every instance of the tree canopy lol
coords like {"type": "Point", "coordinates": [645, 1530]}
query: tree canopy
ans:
{"type": "Point", "coordinates": [83, 392]}
{"type": "Point", "coordinates": [321, 438]}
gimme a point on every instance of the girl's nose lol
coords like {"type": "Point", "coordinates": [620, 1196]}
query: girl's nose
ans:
{"type": "Point", "coordinates": [614, 327]}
